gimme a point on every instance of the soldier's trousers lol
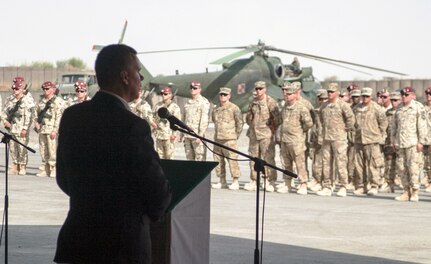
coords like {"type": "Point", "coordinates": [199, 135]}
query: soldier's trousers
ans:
{"type": "Point", "coordinates": [368, 162]}
{"type": "Point", "coordinates": [427, 162]}
{"type": "Point", "coordinates": [408, 166]}
{"type": "Point", "coordinates": [233, 164]}
{"type": "Point", "coordinates": [165, 148]}
{"type": "Point", "coordinates": [194, 151]}
{"type": "Point", "coordinates": [17, 152]}
{"type": "Point", "coordinates": [351, 163]}
{"type": "Point", "coordinates": [317, 164]}
{"type": "Point", "coordinates": [292, 153]}
{"type": "Point", "coordinates": [261, 149]}
{"type": "Point", "coordinates": [48, 149]}
{"type": "Point", "coordinates": [334, 152]}
{"type": "Point", "coordinates": [390, 164]}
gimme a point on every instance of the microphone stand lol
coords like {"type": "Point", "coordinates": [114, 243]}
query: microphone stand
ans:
{"type": "Point", "coordinates": [259, 166]}
{"type": "Point", "coordinates": [5, 140]}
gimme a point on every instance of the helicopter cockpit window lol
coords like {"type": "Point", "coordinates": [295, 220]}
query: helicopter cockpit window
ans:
{"type": "Point", "coordinates": [279, 70]}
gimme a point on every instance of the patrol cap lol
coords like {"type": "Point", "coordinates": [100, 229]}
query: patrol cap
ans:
{"type": "Point", "coordinates": [260, 84]}
{"type": "Point", "coordinates": [366, 91]}
{"type": "Point", "coordinates": [290, 90]}
{"type": "Point", "coordinates": [332, 87]}
{"type": "Point", "coordinates": [196, 84]}
{"type": "Point", "coordinates": [322, 93]}
{"type": "Point", "coordinates": [224, 90]}
{"type": "Point", "coordinates": [80, 85]}
{"type": "Point", "coordinates": [355, 93]}
{"type": "Point", "coordinates": [428, 90]}
{"type": "Point", "coordinates": [407, 90]}
{"type": "Point", "coordinates": [285, 85]}
{"type": "Point", "coordinates": [395, 95]}
{"type": "Point", "coordinates": [166, 90]}
{"type": "Point", "coordinates": [48, 84]}
{"type": "Point", "coordinates": [296, 85]}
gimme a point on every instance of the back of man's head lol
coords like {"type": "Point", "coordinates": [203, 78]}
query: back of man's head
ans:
{"type": "Point", "coordinates": [110, 61]}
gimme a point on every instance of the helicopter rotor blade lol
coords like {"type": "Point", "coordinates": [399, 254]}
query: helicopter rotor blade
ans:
{"type": "Point", "coordinates": [341, 66]}
{"type": "Point", "coordinates": [310, 56]}
{"type": "Point", "coordinates": [191, 49]}
{"type": "Point", "coordinates": [235, 55]}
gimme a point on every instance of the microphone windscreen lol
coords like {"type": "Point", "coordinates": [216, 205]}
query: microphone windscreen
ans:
{"type": "Point", "coordinates": [163, 112]}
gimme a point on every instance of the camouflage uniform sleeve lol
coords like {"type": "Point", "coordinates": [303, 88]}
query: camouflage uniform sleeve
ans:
{"type": "Point", "coordinates": [306, 120]}
{"type": "Point", "coordinates": [204, 119]}
{"type": "Point", "coordinates": [422, 126]}
{"type": "Point", "coordinates": [275, 112]}
{"type": "Point", "coordinates": [394, 129]}
{"type": "Point", "coordinates": [27, 117]}
{"type": "Point", "coordinates": [177, 113]}
{"type": "Point", "coordinates": [239, 123]}
{"type": "Point", "coordinates": [349, 117]}
{"type": "Point", "coordinates": [58, 110]}
{"type": "Point", "coordinates": [3, 115]}
{"type": "Point", "coordinates": [148, 113]}
{"type": "Point", "coordinates": [383, 124]}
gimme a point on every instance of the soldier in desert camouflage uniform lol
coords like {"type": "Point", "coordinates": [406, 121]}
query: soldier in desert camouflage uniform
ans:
{"type": "Point", "coordinates": [337, 119]}
{"type": "Point", "coordinates": [81, 94]}
{"type": "Point", "coordinates": [409, 136]}
{"type": "Point", "coordinates": [228, 124]}
{"type": "Point", "coordinates": [295, 122]}
{"type": "Point", "coordinates": [196, 116]}
{"type": "Point", "coordinates": [142, 108]}
{"type": "Point", "coordinates": [370, 131]}
{"type": "Point", "coordinates": [165, 136]}
{"type": "Point", "coordinates": [355, 96]}
{"type": "Point", "coordinates": [47, 117]}
{"type": "Point", "coordinates": [16, 116]}
{"type": "Point", "coordinates": [427, 146]}
{"type": "Point", "coordinates": [263, 118]}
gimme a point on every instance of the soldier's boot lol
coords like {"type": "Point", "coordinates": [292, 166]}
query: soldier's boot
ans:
{"type": "Point", "coordinates": [42, 167]}
{"type": "Point", "coordinates": [268, 186]}
{"type": "Point", "coordinates": [302, 189]}
{"type": "Point", "coordinates": [221, 184]}
{"type": "Point", "coordinates": [350, 187]}
{"type": "Point", "coordinates": [372, 191]}
{"type": "Point", "coordinates": [359, 191]}
{"type": "Point", "coordinates": [325, 192]}
{"type": "Point", "coordinates": [235, 185]}
{"type": "Point", "coordinates": [22, 170]}
{"type": "Point", "coordinates": [287, 186]}
{"type": "Point", "coordinates": [52, 171]}
{"type": "Point", "coordinates": [280, 185]}
{"type": "Point", "coordinates": [251, 186]}
{"type": "Point", "coordinates": [317, 187]}
{"type": "Point", "coordinates": [311, 183]}
{"type": "Point", "coordinates": [414, 195]}
{"type": "Point", "coordinates": [342, 192]}
{"type": "Point", "coordinates": [13, 170]}
{"type": "Point", "coordinates": [44, 172]}
{"type": "Point", "coordinates": [405, 196]}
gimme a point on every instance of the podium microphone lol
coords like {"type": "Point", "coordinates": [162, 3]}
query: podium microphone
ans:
{"type": "Point", "coordinates": [164, 113]}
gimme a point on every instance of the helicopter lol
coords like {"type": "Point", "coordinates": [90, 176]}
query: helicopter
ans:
{"type": "Point", "coordinates": [240, 74]}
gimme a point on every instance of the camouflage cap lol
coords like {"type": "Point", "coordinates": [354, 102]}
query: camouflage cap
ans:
{"type": "Point", "coordinates": [366, 91]}
{"type": "Point", "coordinates": [285, 85]}
{"type": "Point", "coordinates": [355, 93]}
{"type": "Point", "coordinates": [395, 95]}
{"type": "Point", "coordinates": [343, 93]}
{"type": "Point", "coordinates": [290, 90]}
{"type": "Point", "coordinates": [297, 85]}
{"type": "Point", "coordinates": [224, 90]}
{"type": "Point", "coordinates": [332, 87]}
{"type": "Point", "coordinates": [260, 84]}
{"type": "Point", "coordinates": [322, 93]}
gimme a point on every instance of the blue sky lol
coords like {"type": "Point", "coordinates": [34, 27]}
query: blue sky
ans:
{"type": "Point", "coordinates": [385, 34]}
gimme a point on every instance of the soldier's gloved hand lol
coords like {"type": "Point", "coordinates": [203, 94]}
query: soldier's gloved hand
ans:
{"type": "Point", "coordinates": [7, 124]}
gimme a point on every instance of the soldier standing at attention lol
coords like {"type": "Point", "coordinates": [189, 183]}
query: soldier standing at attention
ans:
{"type": "Point", "coordinates": [46, 122]}
{"type": "Point", "coordinates": [16, 116]}
{"type": "Point", "coordinates": [355, 96]}
{"type": "Point", "coordinates": [370, 130]}
{"type": "Point", "coordinates": [165, 136]}
{"type": "Point", "coordinates": [427, 146]}
{"type": "Point", "coordinates": [388, 150]}
{"type": "Point", "coordinates": [409, 136]}
{"type": "Point", "coordinates": [81, 94]}
{"type": "Point", "coordinates": [228, 124]}
{"type": "Point", "coordinates": [295, 122]}
{"type": "Point", "coordinates": [142, 108]}
{"type": "Point", "coordinates": [263, 118]}
{"type": "Point", "coordinates": [196, 116]}
{"type": "Point", "coordinates": [337, 119]}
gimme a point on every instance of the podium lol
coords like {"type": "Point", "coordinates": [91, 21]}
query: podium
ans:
{"type": "Point", "coordinates": [182, 236]}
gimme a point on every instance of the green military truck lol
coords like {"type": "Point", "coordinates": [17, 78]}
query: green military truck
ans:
{"type": "Point", "coordinates": [66, 87]}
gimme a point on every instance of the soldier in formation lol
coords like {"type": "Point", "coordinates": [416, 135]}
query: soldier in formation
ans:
{"type": "Point", "coordinates": [427, 146]}
{"type": "Point", "coordinates": [142, 108]}
{"type": "Point", "coordinates": [81, 94]}
{"type": "Point", "coordinates": [228, 125]}
{"type": "Point", "coordinates": [165, 136]}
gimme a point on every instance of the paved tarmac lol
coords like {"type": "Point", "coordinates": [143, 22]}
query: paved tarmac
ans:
{"type": "Point", "coordinates": [297, 229]}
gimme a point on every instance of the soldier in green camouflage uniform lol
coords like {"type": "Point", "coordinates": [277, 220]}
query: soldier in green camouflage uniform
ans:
{"type": "Point", "coordinates": [196, 116]}
{"type": "Point", "coordinates": [46, 122]}
{"type": "Point", "coordinates": [370, 130]}
{"type": "Point", "coordinates": [388, 150]}
{"type": "Point", "coordinates": [228, 125]}
{"type": "Point", "coordinates": [295, 122]}
{"type": "Point", "coordinates": [142, 108]}
{"type": "Point", "coordinates": [165, 136]}
{"type": "Point", "coordinates": [427, 147]}
{"type": "Point", "coordinates": [337, 119]}
{"type": "Point", "coordinates": [16, 116]}
{"type": "Point", "coordinates": [81, 94]}
{"type": "Point", "coordinates": [409, 136]}
{"type": "Point", "coordinates": [263, 118]}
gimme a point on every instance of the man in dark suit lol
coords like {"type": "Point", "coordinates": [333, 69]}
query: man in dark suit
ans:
{"type": "Point", "coordinates": [108, 167]}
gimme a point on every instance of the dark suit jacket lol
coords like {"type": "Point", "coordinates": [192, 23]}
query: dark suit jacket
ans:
{"type": "Point", "coordinates": [107, 165]}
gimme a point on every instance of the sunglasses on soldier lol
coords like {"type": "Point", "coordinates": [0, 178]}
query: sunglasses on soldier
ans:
{"type": "Point", "coordinates": [258, 88]}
